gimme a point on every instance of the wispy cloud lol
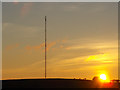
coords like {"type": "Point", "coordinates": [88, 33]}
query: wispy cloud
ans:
{"type": "Point", "coordinates": [99, 57]}
{"type": "Point", "coordinates": [91, 44]}
{"type": "Point", "coordinates": [26, 8]}
{"type": "Point", "coordinates": [9, 47]}
{"type": "Point", "coordinates": [21, 30]}
{"type": "Point", "coordinates": [37, 47]}
{"type": "Point", "coordinates": [50, 45]}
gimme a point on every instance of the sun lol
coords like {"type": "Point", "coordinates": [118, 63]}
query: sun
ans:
{"type": "Point", "coordinates": [103, 77]}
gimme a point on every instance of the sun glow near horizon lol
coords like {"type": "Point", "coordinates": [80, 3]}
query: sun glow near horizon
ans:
{"type": "Point", "coordinates": [104, 78]}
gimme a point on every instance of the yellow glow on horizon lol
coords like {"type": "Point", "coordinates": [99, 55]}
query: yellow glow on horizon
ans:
{"type": "Point", "coordinates": [98, 57]}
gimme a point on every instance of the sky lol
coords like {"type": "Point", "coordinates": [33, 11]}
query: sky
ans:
{"type": "Point", "coordinates": [82, 39]}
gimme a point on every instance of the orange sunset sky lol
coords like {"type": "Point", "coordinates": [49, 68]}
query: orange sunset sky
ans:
{"type": "Point", "coordinates": [82, 40]}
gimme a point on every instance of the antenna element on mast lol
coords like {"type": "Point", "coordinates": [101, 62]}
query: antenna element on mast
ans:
{"type": "Point", "coordinates": [45, 44]}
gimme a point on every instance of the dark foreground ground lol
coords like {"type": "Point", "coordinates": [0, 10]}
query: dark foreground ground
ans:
{"type": "Point", "coordinates": [55, 83]}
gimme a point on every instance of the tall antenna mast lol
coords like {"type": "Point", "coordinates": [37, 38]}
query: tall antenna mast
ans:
{"type": "Point", "coordinates": [45, 44]}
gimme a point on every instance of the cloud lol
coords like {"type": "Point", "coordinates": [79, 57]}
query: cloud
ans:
{"type": "Point", "coordinates": [21, 31]}
{"type": "Point", "coordinates": [26, 8]}
{"type": "Point", "coordinates": [59, 42]}
{"type": "Point", "coordinates": [100, 57]}
{"type": "Point", "coordinates": [91, 44]}
{"type": "Point", "coordinates": [28, 47]}
{"type": "Point", "coordinates": [50, 45]}
{"type": "Point", "coordinates": [41, 46]}
{"type": "Point", "coordinates": [9, 47]}
{"type": "Point", "coordinates": [64, 41]}
{"type": "Point", "coordinates": [7, 25]}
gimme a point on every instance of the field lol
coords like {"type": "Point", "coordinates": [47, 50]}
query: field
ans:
{"type": "Point", "coordinates": [56, 83]}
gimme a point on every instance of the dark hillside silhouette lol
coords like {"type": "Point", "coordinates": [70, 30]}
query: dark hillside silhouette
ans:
{"type": "Point", "coordinates": [56, 83]}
